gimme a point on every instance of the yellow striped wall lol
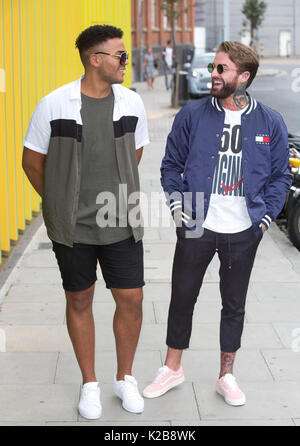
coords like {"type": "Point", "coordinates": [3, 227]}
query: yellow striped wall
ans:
{"type": "Point", "coordinates": [37, 55]}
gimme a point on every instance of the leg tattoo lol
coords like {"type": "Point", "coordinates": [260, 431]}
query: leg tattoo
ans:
{"type": "Point", "coordinates": [227, 360]}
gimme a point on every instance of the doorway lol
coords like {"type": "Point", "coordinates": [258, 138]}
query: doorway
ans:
{"type": "Point", "coordinates": [285, 43]}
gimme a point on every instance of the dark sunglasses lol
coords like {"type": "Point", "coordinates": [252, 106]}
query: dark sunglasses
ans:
{"type": "Point", "coordinates": [220, 68]}
{"type": "Point", "coordinates": [123, 56]}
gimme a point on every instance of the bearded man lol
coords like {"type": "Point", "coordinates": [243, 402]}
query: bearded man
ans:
{"type": "Point", "coordinates": [233, 150]}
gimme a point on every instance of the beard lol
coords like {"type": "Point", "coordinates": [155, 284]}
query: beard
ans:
{"type": "Point", "coordinates": [110, 76]}
{"type": "Point", "coordinates": [224, 92]}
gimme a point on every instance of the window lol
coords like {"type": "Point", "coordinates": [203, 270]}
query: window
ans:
{"type": "Point", "coordinates": [165, 21]}
{"type": "Point", "coordinates": [153, 13]}
{"type": "Point", "coordinates": [185, 15]}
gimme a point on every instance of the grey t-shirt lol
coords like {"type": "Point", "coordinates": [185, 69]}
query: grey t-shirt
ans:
{"type": "Point", "coordinates": [99, 175]}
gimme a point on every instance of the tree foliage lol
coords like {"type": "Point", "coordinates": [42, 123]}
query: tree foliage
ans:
{"type": "Point", "coordinates": [173, 10]}
{"type": "Point", "coordinates": [254, 11]}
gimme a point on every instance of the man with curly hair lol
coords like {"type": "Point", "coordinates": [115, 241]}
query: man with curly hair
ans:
{"type": "Point", "coordinates": [85, 139]}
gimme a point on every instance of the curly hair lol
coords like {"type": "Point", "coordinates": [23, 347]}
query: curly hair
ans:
{"type": "Point", "coordinates": [243, 56]}
{"type": "Point", "coordinates": [94, 35]}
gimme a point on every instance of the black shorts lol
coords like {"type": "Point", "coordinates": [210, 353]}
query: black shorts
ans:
{"type": "Point", "coordinates": [121, 264]}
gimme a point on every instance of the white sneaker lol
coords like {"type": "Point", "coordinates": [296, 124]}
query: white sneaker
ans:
{"type": "Point", "coordinates": [127, 391]}
{"type": "Point", "coordinates": [89, 404]}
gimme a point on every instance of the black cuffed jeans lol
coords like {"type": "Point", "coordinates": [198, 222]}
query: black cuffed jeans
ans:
{"type": "Point", "coordinates": [192, 257]}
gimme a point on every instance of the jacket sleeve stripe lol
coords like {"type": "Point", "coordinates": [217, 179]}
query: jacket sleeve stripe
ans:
{"type": "Point", "coordinates": [266, 220]}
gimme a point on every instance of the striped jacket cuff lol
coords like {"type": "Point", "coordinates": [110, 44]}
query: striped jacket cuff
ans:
{"type": "Point", "coordinates": [266, 220]}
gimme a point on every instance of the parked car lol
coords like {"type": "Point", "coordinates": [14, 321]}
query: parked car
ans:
{"type": "Point", "coordinates": [198, 76]}
{"type": "Point", "coordinates": [290, 214]}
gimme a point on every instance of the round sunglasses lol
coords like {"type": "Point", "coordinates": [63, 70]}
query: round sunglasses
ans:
{"type": "Point", "coordinates": [220, 68]}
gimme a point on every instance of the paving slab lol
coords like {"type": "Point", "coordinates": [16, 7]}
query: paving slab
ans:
{"type": "Point", "coordinates": [157, 291]}
{"type": "Point", "coordinates": [277, 400]}
{"type": "Point", "coordinates": [271, 291]}
{"type": "Point", "coordinates": [38, 402]}
{"type": "Point", "coordinates": [277, 274]}
{"type": "Point", "coordinates": [169, 407]}
{"type": "Point", "coordinates": [145, 365]}
{"type": "Point", "coordinates": [37, 338]}
{"type": "Point", "coordinates": [210, 291]}
{"type": "Point", "coordinates": [28, 367]}
{"type": "Point", "coordinates": [153, 252]}
{"type": "Point", "coordinates": [283, 364]}
{"type": "Point", "coordinates": [152, 337]}
{"type": "Point", "coordinates": [30, 293]}
{"type": "Point", "coordinates": [255, 336]}
{"type": "Point", "coordinates": [37, 276]}
{"type": "Point", "coordinates": [32, 313]}
{"type": "Point", "coordinates": [203, 366]}
{"type": "Point", "coordinates": [104, 312]}
{"type": "Point", "coordinates": [277, 311]}
{"type": "Point", "coordinates": [288, 333]}
{"type": "Point", "coordinates": [40, 258]}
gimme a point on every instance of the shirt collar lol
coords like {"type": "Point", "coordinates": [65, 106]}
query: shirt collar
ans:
{"type": "Point", "coordinates": [76, 90]}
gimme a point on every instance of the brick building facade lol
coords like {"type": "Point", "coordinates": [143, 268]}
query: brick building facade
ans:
{"type": "Point", "coordinates": [157, 30]}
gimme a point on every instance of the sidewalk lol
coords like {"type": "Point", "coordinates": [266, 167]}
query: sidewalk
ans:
{"type": "Point", "coordinates": [39, 377]}
{"type": "Point", "coordinates": [280, 65]}
{"type": "Point", "coordinates": [292, 60]}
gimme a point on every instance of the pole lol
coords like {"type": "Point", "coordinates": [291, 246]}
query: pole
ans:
{"type": "Point", "coordinates": [226, 20]}
{"type": "Point", "coordinates": [294, 28]}
{"type": "Point", "coordinates": [141, 38]}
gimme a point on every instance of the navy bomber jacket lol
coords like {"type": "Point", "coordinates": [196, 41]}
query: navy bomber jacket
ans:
{"type": "Point", "coordinates": [192, 150]}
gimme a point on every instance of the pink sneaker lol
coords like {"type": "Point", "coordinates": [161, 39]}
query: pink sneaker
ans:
{"type": "Point", "coordinates": [165, 380]}
{"type": "Point", "coordinates": [228, 388]}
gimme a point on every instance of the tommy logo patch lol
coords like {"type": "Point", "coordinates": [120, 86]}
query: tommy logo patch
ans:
{"type": "Point", "coordinates": [262, 139]}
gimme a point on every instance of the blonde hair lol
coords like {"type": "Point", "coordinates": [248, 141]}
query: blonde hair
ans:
{"type": "Point", "coordinates": [243, 57]}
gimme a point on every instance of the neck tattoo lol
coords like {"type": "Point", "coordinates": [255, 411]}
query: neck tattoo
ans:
{"type": "Point", "coordinates": [240, 97]}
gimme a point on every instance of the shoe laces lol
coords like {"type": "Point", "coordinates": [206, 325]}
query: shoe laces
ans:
{"type": "Point", "coordinates": [91, 394]}
{"type": "Point", "coordinates": [130, 387]}
{"type": "Point", "coordinates": [161, 372]}
{"type": "Point", "coordinates": [230, 380]}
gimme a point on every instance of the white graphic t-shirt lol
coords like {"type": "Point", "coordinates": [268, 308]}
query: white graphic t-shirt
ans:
{"type": "Point", "coordinates": [227, 211]}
